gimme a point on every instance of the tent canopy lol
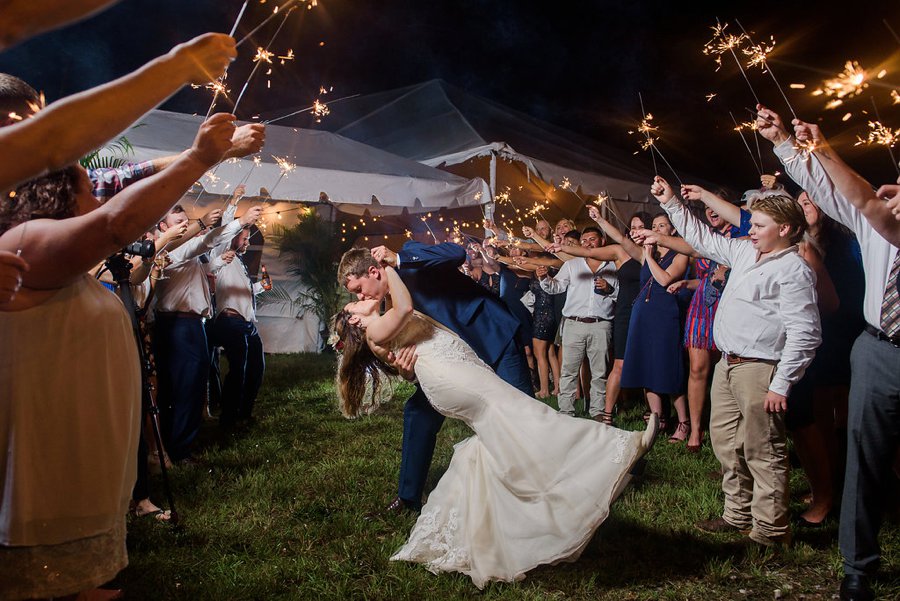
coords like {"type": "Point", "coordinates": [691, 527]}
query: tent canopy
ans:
{"type": "Point", "coordinates": [443, 126]}
{"type": "Point", "coordinates": [326, 167]}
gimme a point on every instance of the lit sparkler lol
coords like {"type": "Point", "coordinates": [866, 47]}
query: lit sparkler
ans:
{"type": "Point", "coordinates": [879, 134]}
{"type": "Point", "coordinates": [895, 96]}
{"type": "Point", "coordinates": [292, 4]}
{"type": "Point", "coordinates": [848, 83]}
{"type": "Point", "coordinates": [263, 56]}
{"type": "Point", "coordinates": [757, 54]}
{"type": "Point", "coordinates": [751, 125]}
{"type": "Point", "coordinates": [320, 109]}
{"type": "Point", "coordinates": [722, 42]}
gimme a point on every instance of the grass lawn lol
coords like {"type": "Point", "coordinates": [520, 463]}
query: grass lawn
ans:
{"type": "Point", "coordinates": [278, 512]}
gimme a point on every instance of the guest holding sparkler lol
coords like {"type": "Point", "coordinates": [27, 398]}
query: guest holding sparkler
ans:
{"type": "Point", "coordinates": [62, 526]}
{"type": "Point", "coordinates": [872, 436]}
{"type": "Point", "coordinates": [628, 273]}
{"type": "Point", "coordinates": [654, 357]}
{"type": "Point", "coordinates": [767, 326]}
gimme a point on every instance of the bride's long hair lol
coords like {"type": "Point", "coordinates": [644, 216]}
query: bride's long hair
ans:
{"type": "Point", "coordinates": [358, 368]}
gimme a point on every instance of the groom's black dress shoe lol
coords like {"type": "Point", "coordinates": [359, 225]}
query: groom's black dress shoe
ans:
{"type": "Point", "coordinates": [855, 588]}
{"type": "Point", "coordinates": [399, 505]}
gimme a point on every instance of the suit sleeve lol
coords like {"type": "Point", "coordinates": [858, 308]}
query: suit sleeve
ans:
{"type": "Point", "coordinates": [425, 256]}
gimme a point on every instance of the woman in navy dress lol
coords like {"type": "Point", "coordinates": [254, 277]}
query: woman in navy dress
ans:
{"type": "Point", "coordinates": [654, 355]}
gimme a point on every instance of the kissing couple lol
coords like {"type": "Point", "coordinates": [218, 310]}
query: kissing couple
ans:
{"type": "Point", "coordinates": [532, 485]}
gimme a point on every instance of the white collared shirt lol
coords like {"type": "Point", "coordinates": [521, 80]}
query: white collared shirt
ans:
{"type": "Point", "coordinates": [877, 253]}
{"type": "Point", "coordinates": [186, 288]}
{"type": "Point", "coordinates": [768, 309]}
{"type": "Point", "coordinates": [234, 290]}
{"type": "Point", "coordinates": [577, 280]}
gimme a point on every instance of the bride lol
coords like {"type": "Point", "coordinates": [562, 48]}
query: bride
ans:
{"type": "Point", "coordinates": [529, 488]}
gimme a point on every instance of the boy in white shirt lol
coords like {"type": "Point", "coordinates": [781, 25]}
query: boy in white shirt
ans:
{"type": "Point", "coordinates": [767, 326]}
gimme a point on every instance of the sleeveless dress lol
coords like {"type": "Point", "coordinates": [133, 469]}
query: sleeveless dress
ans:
{"type": "Point", "coordinates": [544, 318]}
{"type": "Point", "coordinates": [506, 504]}
{"type": "Point", "coordinates": [698, 327]}
{"type": "Point", "coordinates": [654, 355]}
{"type": "Point", "coordinates": [70, 405]}
{"type": "Point", "coordinates": [629, 274]}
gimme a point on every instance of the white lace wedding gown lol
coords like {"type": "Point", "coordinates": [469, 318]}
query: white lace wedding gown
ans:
{"type": "Point", "coordinates": [529, 488]}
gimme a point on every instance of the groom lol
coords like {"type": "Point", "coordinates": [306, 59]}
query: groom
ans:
{"type": "Point", "coordinates": [442, 292]}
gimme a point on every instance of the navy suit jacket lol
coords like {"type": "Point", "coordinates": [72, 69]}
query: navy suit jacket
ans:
{"type": "Point", "coordinates": [442, 292]}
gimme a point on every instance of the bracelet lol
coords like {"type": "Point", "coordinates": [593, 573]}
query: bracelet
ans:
{"type": "Point", "coordinates": [202, 225]}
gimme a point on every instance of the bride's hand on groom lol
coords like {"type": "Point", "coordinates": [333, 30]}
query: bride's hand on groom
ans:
{"type": "Point", "coordinates": [385, 256]}
{"type": "Point", "coordinates": [404, 360]}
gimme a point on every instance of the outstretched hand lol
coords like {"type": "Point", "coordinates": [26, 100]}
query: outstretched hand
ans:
{"type": "Point", "coordinates": [891, 193]}
{"type": "Point", "coordinates": [643, 236]}
{"type": "Point", "coordinates": [213, 139]}
{"type": "Point", "coordinates": [692, 192]}
{"type": "Point", "coordinates": [808, 132]}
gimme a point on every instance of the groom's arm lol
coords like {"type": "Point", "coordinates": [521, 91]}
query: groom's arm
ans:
{"type": "Point", "coordinates": [416, 254]}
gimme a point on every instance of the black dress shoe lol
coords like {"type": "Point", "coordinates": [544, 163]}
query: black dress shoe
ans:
{"type": "Point", "coordinates": [855, 588]}
{"type": "Point", "coordinates": [399, 505]}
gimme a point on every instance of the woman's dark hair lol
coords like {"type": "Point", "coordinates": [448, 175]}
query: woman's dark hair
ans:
{"type": "Point", "coordinates": [645, 218]}
{"type": "Point", "coordinates": [573, 234]}
{"type": "Point", "coordinates": [357, 364]}
{"type": "Point", "coordinates": [51, 196]}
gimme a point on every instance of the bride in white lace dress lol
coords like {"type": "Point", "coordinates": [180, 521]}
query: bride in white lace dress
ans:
{"type": "Point", "coordinates": [529, 488]}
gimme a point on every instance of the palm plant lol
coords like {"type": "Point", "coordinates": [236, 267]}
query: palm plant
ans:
{"type": "Point", "coordinates": [312, 248]}
{"type": "Point", "coordinates": [115, 153]}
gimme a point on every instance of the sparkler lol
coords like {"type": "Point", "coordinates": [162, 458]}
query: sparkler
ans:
{"type": "Point", "coordinates": [219, 85]}
{"type": "Point", "coordinates": [739, 128]}
{"type": "Point", "coordinates": [320, 109]}
{"type": "Point", "coordinates": [286, 167]}
{"type": "Point", "coordinates": [881, 135]}
{"type": "Point", "coordinates": [289, 4]}
{"type": "Point", "coordinates": [848, 83]}
{"type": "Point", "coordinates": [262, 56]}
{"type": "Point", "coordinates": [757, 54]}
{"type": "Point", "coordinates": [722, 42]}
{"type": "Point", "coordinates": [601, 201]}
{"type": "Point", "coordinates": [308, 109]}
{"type": "Point", "coordinates": [430, 231]}
{"type": "Point", "coordinates": [648, 130]}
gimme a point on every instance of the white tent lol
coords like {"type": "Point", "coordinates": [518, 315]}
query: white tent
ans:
{"type": "Point", "coordinates": [446, 127]}
{"type": "Point", "coordinates": [329, 169]}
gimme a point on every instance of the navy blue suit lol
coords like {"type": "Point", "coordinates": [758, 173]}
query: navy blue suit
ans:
{"type": "Point", "coordinates": [479, 317]}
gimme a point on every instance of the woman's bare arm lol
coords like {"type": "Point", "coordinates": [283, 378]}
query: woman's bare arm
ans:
{"type": "Point", "coordinates": [382, 330]}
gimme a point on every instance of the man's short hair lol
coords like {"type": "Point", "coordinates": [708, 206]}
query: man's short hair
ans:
{"type": "Point", "coordinates": [592, 228]}
{"type": "Point", "coordinates": [355, 262]}
{"type": "Point", "coordinates": [17, 97]}
{"type": "Point", "coordinates": [573, 234]}
{"type": "Point", "coordinates": [783, 210]}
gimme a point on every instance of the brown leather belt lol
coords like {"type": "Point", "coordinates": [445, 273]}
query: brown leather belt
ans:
{"type": "Point", "coordinates": [735, 360]}
{"type": "Point", "coordinates": [231, 313]}
{"type": "Point", "coordinates": [179, 314]}
{"type": "Point", "coordinates": [588, 319]}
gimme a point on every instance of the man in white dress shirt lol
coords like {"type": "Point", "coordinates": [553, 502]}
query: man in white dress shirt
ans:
{"type": "Point", "coordinates": [767, 326]}
{"type": "Point", "coordinates": [873, 430]}
{"type": "Point", "coordinates": [182, 304]}
{"type": "Point", "coordinates": [588, 314]}
{"type": "Point", "coordinates": [234, 329]}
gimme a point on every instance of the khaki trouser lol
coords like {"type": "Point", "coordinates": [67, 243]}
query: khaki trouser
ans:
{"type": "Point", "coordinates": [751, 445]}
{"type": "Point", "coordinates": [580, 340]}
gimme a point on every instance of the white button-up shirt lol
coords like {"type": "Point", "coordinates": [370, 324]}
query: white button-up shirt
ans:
{"type": "Point", "coordinates": [768, 309]}
{"type": "Point", "coordinates": [877, 253]}
{"type": "Point", "coordinates": [234, 290]}
{"type": "Point", "coordinates": [186, 288]}
{"type": "Point", "coordinates": [577, 278]}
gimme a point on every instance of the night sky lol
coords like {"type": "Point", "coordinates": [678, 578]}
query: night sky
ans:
{"type": "Point", "coordinates": [579, 67]}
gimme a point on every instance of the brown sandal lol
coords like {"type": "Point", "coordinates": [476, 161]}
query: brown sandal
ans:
{"type": "Point", "coordinates": [682, 431]}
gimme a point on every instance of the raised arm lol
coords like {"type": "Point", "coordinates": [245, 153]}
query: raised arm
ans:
{"type": "Point", "coordinates": [61, 250]}
{"type": "Point", "coordinates": [23, 19]}
{"type": "Point", "coordinates": [676, 243]}
{"type": "Point", "coordinates": [416, 254]}
{"type": "Point", "coordinates": [850, 184]}
{"type": "Point", "coordinates": [613, 252]}
{"type": "Point", "coordinates": [82, 122]}
{"type": "Point", "coordinates": [697, 234]}
{"type": "Point", "coordinates": [725, 209]}
{"type": "Point", "coordinates": [562, 255]}
{"type": "Point", "coordinates": [382, 330]}
{"type": "Point", "coordinates": [631, 249]}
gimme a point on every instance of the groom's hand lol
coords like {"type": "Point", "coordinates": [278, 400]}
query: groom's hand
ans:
{"type": "Point", "coordinates": [384, 255]}
{"type": "Point", "coordinates": [404, 359]}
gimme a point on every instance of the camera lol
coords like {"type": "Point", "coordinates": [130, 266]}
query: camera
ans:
{"type": "Point", "coordinates": [142, 248]}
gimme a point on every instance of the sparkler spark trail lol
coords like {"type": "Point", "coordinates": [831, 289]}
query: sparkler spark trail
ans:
{"type": "Point", "coordinates": [647, 130]}
{"type": "Point", "coordinates": [883, 136]}
{"type": "Point", "coordinates": [290, 3]}
{"type": "Point", "coordinates": [219, 85]}
{"type": "Point", "coordinates": [320, 109]}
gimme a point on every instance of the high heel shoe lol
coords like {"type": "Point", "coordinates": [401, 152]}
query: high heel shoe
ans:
{"type": "Point", "coordinates": [682, 431]}
{"type": "Point", "coordinates": [695, 448]}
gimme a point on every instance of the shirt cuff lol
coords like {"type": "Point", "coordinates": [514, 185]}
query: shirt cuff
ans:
{"type": "Point", "coordinates": [779, 385]}
{"type": "Point", "coordinates": [785, 149]}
